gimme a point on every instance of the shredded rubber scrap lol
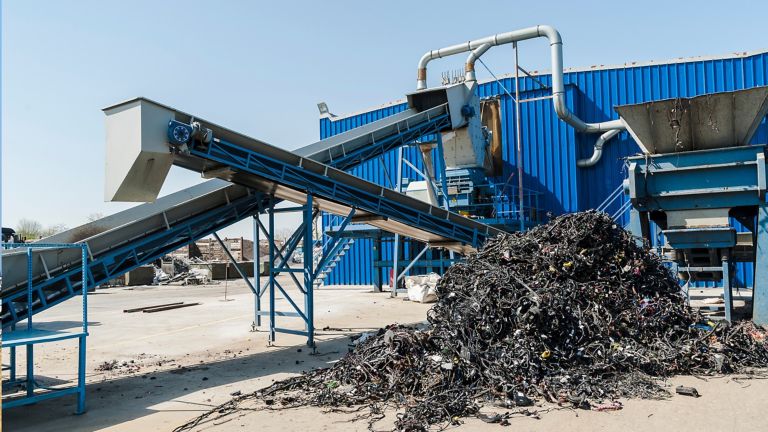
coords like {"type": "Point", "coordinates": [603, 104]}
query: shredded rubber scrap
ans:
{"type": "Point", "coordinates": [574, 313]}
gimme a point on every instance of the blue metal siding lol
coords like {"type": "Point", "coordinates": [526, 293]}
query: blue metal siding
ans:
{"type": "Point", "coordinates": [550, 147]}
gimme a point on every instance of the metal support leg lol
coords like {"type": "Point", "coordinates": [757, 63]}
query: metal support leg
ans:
{"type": "Point", "coordinates": [30, 370]}
{"type": "Point", "coordinates": [256, 272]}
{"type": "Point", "coordinates": [309, 273]}
{"type": "Point", "coordinates": [441, 171]}
{"type": "Point", "coordinates": [411, 264]}
{"type": "Point", "coordinates": [396, 260]}
{"type": "Point", "coordinates": [760, 291]}
{"type": "Point", "coordinates": [234, 262]}
{"type": "Point", "coordinates": [81, 376]}
{"type": "Point", "coordinates": [639, 225]}
{"type": "Point", "coordinates": [727, 295]}
{"type": "Point", "coordinates": [396, 248]}
{"type": "Point", "coordinates": [271, 270]}
{"type": "Point", "coordinates": [376, 270]}
{"type": "Point", "coordinates": [12, 372]}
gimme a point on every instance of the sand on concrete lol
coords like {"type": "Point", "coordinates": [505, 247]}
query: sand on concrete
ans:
{"type": "Point", "coordinates": [176, 364]}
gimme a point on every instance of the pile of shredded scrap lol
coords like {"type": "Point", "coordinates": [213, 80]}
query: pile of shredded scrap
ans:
{"type": "Point", "coordinates": [573, 313]}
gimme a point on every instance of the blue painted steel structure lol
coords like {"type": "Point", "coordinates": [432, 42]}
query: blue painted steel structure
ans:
{"type": "Point", "coordinates": [263, 167]}
{"type": "Point", "coordinates": [31, 336]}
{"type": "Point", "coordinates": [115, 262]}
{"type": "Point", "coordinates": [693, 181]}
{"type": "Point", "coordinates": [551, 148]}
{"type": "Point", "coordinates": [106, 265]}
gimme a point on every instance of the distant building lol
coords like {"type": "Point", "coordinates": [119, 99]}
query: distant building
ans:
{"type": "Point", "coordinates": [210, 250]}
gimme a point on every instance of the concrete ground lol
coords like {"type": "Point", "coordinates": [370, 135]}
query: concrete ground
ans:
{"type": "Point", "coordinates": [173, 365]}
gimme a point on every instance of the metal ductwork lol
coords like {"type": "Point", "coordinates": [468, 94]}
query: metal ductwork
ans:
{"type": "Point", "coordinates": [478, 47]}
{"type": "Point", "coordinates": [597, 152]}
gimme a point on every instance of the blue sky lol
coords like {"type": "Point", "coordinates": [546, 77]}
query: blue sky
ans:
{"type": "Point", "coordinates": [261, 67]}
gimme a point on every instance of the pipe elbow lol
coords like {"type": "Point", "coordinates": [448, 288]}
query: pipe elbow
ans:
{"type": "Point", "coordinates": [421, 72]}
{"type": "Point", "coordinates": [426, 58]}
{"type": "Point", "coordinates": [597, 152]}
{"type": "Point", "coordinates": [469, 65]}
{"type": "Point", "coordinates": [550, 33]}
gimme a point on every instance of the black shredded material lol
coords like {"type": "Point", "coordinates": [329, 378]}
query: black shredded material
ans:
{"type": "Point", "coordinates": [573, 312]}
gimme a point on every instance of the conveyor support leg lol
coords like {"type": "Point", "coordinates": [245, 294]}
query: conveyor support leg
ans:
{"type": "Point", "coordinates": [760, 293]}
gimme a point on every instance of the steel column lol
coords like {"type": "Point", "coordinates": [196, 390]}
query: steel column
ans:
{"type": "Point", "coordinates": [376, 270]}
{"type": "Point", "coordinates": [443, 176]}
{"type": "Point", "coordinates": [30, 347]}
{"type": "Point", "coordinates": [309, 276]}
{"type": "Point", "coordinates": [396, 245]}
{"type": "Point", "coordinates": [727, 294]}
{"type": "Point", "coordinates": [272, 275]}
{"type": "Point", "coordinates": [760, 292]}
{"type": "Point", "coordinates": [256, 272]}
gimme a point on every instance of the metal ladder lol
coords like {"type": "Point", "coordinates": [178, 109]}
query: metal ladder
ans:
{"type": "Point", "coordinates": [344, 244]}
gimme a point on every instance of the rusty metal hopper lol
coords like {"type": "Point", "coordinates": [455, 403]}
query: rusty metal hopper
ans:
{"type": "Point", "coordinates": [706, 122]}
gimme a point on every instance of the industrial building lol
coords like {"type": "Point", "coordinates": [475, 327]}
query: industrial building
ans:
{"type": "Point", "coordinates": [672, 150]}
{"type": "Point", "coordinates": [551, 151]}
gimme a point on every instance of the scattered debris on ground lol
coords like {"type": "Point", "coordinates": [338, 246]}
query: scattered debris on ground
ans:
{"type": "Point", "coordinates": [687, 391]}
{"type": "Point", "coordinates": [140, 363]}
{"type": "Point", "coordinates": [119, 367]}
{"type": "Point", "coordinates": [160, 307]}
{"type": "Point", "coordinates": [573, 313]}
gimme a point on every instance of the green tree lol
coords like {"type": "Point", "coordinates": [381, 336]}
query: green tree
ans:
{"type": "Point", "coordinates": [29, 229]}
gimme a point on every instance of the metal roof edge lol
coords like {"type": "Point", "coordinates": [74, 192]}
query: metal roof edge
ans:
{"type": "Point", "coordinates": [337, 117]}
{"type": "Point", "coordinates": [678, 60]}
{"type": "Point", "coordinates": [632, 64]}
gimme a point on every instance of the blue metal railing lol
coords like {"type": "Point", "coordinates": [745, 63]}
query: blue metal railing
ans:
{"type": "Point", "coordinates": [616, 204]}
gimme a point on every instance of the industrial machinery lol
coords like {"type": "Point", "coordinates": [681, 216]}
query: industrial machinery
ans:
{"type": "Point", "coordinates": [144, 138]}
{"type": "Point", "coordinates": [699, 180]}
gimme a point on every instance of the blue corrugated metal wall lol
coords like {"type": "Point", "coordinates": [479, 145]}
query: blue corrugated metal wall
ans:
{"type": "Point", "coordinates": [550, 147]}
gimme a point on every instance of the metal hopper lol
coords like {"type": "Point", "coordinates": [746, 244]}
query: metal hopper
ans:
{"type": "Point", "coordinates": [706, 122]}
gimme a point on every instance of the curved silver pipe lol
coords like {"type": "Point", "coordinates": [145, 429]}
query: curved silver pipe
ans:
{"type": "Point", "coordinates": [469, 65]}
{"type": "Point", "coordinates": [556, 59]}
{"type": "Point", "coordinates": [597, 152]}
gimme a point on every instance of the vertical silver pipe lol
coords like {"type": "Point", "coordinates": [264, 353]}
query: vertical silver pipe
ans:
{"type": "Point", "coordinates": [396, 247]}
{"type": "Point", "coordinates": [518, 136]}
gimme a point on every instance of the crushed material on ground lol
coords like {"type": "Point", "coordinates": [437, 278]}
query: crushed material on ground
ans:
{"type": "Point", "coordinates": [573, 313]}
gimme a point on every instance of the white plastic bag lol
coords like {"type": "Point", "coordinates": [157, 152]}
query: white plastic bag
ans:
{"type": "Point", "coordinates": [422, 288]}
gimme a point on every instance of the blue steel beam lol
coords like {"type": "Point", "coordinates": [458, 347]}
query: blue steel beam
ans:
{"type": "Point", "coordinates": [407, 136]}
{"type": "Point", "coordinates": [120, 260]}
{"type": "Point", "coordinates": [286, 169]}
{"type": "Point", "coordinates": [760, 292]}
{"type": "Point", "coordinates": [60, 286]}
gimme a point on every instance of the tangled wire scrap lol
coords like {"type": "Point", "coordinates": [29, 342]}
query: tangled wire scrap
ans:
{"type": "Point", "coordinates": [573, 312]}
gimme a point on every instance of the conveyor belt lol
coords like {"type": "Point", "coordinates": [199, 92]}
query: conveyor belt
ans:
{"type": "Point", "coordinates": [287, 175]}
{"type": "Point", "coordinates": [125, 240]}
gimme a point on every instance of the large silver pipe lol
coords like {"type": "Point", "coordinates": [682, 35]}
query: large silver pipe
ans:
{"type": "Point", "coordinates": [469, 65]}
{"type": "Point", "coordinates": [556, 59]}
{"type": "Point", "coordinates": [597, 152]}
